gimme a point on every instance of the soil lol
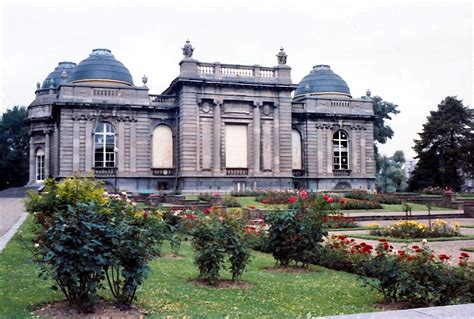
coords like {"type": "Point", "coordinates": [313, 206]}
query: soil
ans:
{"type": "Point", "coordinates": [223, 283]}
{"type": "Point", "coordinates": [103, 310]}
{"type": "Point", "coordinates": [290, 269]}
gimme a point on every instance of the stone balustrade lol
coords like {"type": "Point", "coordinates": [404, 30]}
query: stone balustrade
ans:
{"type": "Point", "coordinates": [162, 100]}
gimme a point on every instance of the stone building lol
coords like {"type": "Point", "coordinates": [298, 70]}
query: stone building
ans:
{"type": "Point", "coordinates": [217, 127]}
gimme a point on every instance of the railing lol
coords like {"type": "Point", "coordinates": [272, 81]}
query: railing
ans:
{"type": "Point", "coordinates": [235, 70]}
{"type": "Point", "coordinates": [340, 104]}
{"type": "Point", "coordinates": [298, 172]}
{"type": "Point", "coordinates": [236, 171]}
{"type": "Point", "coordinates": [162, 171]}
{"type": "Point", "coordinates": [162, 99]}
{"type": "Point", "coordinates": [105, 92]}
{"type": "Point", "coordinates": [105, 171]}
{"type": "Point", "coordinates": [342, 172]}
{"type": "Point", "coordinates": [297, 106]}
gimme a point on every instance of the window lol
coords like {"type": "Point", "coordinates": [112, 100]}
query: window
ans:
{"type": "Point", "coordinates": [162, 147]}
{"type": "Point", "coordinates": [40, 165]}
{"type": "Point", "coordinates": [104, 145]}
{"type": "Point", "coordinates": [236, 146]}
{"type": "Point", "coordinates": [341, 150]}
{"type": "Point", "coordinates": [296, 150]}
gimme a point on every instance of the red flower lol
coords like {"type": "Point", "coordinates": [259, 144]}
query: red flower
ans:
{"type": "Point", "coordinates": [342, 200]}
{"type": "Point", "coordinates": [265, 201]}
{"type": "Point", "coordinates": [401, 252]}
{"type": "Point", "coordinates": [464, 255]}
{"type": "Point", "coordinates": [304, 194]}
{"type": "Point", "coordinates": [415, 247]}
{"type": "Point", "coordinates": [216, 195]}
{"type": "Point", "coordinates": [443, 257]}
{"type": "Point", "coordinates": [330, 200]}
{"type": "Point", "coordinates": [207, 210]}
{"type": "Point", "coordinates": [145, 214]}
{"type": "Point", "coordinates": [291, 199]}
{"type": "Point", "coordinates": [341, 237]}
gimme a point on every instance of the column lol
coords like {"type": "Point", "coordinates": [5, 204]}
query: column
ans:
{"type": "Point", "coordinates": [133, 148]}
{"type": "Point", "coordinates": [47, 151]}
{"type": "Point", "coordinates": [276, 139]}
{"type": "Point", "coordinates": [89, 146]}
{"type": "Point", "coordinates": [120, 142]}
{"type": "Point", "coordinates": [75, 147]}
{"type": "Point", "coordinates": [363, 167]}
{"type": "Point", "coordinates": [32, 162]}
{"type": "Point", "coordinates": [256, 136]}
{"type": "Point", "coordinates": [217, 135]}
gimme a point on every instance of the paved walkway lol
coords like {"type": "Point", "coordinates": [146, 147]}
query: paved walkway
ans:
{"type": "Point", "coordinates": [12, 215]}
{"type": "Point", "coordinates": [458, 312]}
{"type": "Point", "coordinates": [415, 213]}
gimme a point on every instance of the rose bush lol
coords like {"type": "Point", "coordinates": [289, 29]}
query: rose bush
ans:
{"type": "Point", "coordinates": [83, 238]}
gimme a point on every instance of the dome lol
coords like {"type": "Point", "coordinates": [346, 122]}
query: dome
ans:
{"type": "Point", "coordinates": [321, 81]}
{"type": "Point", "coordinates": [56, 74]}
{"type": "Point", "coordinates": [101, 65]}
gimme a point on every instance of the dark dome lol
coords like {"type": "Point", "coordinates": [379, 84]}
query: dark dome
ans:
{"type": "Point", "coordinates": [322, 80]}
{"type": "Point", "coordinates": [56, 74]}
{"type": "Point", "coordinates": [101, 65]}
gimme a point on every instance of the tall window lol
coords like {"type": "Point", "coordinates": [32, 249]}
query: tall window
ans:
{"type": "Point", "coordinates": [162, 147]}
{"type": "Point", "coordinates": [40, 165]}
{"type": "Point", "coordinates": [341, 150]}
{"type": "Point", "coordinates": [296, 150]}
{"type": "Point", "coordinates": [104, 145]}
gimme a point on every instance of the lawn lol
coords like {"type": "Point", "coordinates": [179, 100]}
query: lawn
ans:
{"type": "Point", "coordinates": [411, 240]}
{"type": "Point", "coordinates": [167, 291]}
{"type": "Point", "coordinates": [469, 249]}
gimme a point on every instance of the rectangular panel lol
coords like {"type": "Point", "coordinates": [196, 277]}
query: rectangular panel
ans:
{"type": "Point", "coordinates": [236, 146]}
{"type": "Point", "coordinates": [206, 145]}
{"type": "Point", "coordinates": [267, 153]}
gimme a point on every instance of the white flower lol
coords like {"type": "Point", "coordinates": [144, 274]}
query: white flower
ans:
{"type": "Point", "coordinates": [424, 242]}
{"type": "Point", "coordinates": [37, 245]}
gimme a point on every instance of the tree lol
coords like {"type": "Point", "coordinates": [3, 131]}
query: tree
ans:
{"type": "Point", "coordinates": [14, 145]}
{"type": "Point", "coordinates": [391, 176]}
{"type": "Point", "coordinates": [444, 149]}
{"type": "Point", "coordinates": [382, 111]}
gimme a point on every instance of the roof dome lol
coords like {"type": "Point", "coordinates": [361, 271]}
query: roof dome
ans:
{"type": "Point", "coordinates": [101, 65]}
{"type": "Point", "coordinates": [321, 81]}
{"type": "Point", "coordinates": [56, 74]}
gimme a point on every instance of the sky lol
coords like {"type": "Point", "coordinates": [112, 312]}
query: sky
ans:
{"type": "Point", "coordinates": [412, 53]}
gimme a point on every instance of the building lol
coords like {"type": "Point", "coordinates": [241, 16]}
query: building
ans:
{"type": "Point", "coordinates": [217, 127]}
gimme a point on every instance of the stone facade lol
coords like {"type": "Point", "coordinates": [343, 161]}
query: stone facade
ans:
{"type": "Point", "coordinates": [232, 127]}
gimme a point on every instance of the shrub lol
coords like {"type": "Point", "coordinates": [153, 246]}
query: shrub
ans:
{"type": "Point", "coordinates": [388, 199]}
{"type": "Point", "coordinates": [217, 234]}
{"type": "Point", "coordinates": [350, 203]}
{"type": "Point", "coordinates": [340, 221]}
{"type": "Point", "coordinates": [229, 201]}
{"type": "Point", "coordinates": [295, 235]}
{"type": "Point", "coordinates": [82, 237]}
{"type": "Point", "coordinates": [360, 194]}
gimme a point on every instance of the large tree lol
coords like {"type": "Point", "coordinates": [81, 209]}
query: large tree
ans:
{"type": "Point", "coordinates": [382, 112]}
{"type": "Point", "coordinates": [13, 148]}
{"type": "Point", "coordinates": [391, 175]}
{"type": "Point", "coordinates": [444, 149]}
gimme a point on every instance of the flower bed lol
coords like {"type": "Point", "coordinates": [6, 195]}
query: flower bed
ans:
{"type": "Point", "coordinates": [340, 221]}
{"type": "Point", "coordinates": [413, 229]}
{"type": "Point", "coordinates": [414, 275]}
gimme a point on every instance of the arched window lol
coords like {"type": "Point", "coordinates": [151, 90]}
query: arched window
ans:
{"type": "Point", "coordinates": [104, 145]}
{"type": "Point", "coordinates": [296, 150]}
{"type": "Point", "coordinates": [162, 147]}
{"type": "Point", "coordinates": [341, 150]}
{"type": "Point", "coordinates": [40, 165]}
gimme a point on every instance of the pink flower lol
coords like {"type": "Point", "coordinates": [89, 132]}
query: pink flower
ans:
{"type": "Point", "coordinates": [330, 200]}
{"type": "Point", "coordinates": [304, 194]}
{"type": "Point", "coordinates": [145, 214]}
{"type": "Point", "coordinates": [216, 195]}
{"type": "Point", "coordinates": [221, 219]}
{"type": "Point", "coordinates": [291, 199]}
{"type": "Point", "coordinates": [265, 201]}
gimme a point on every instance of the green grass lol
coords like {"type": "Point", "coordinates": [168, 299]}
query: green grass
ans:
{"type": "Point", "coordinates": [250, 201]}
{"type": "Point", "coordinates": [349, 228]}
{"type": "Point", "coordinates": [468, 249]}
{"type": "Point", "coordinates": [167, 292]}
{"type": "Point", "coordinates": [467, 226]}
{"type": "Point", "coordinates": [396, 208]}
{"type": "Point", "coordinates": [411, 240]}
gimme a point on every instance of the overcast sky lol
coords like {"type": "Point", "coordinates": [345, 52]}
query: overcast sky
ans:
{"type": "Point", "coordinates": [412, 53]}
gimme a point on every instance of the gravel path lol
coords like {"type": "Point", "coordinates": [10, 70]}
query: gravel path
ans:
{"type": "Point", "coordinates": [11, 210]}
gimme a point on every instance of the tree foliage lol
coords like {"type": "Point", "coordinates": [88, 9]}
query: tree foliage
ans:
{"type": "Point", "coordinates": [445, 148]}
{"type": "Point", "coordinates": [390, 176]}
{"type": "Point", "coordinates": [14, 148]}
{"type": "Point", "coordinates": [382, 112]}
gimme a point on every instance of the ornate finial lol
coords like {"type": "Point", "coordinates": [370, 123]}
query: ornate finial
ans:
{"type": "Point", "coordinates": [144, 80]}
{"type": "Point", "coordinates": [51, 83]}
{"type": "Point", "coordinates": [281, 56]}
{"type": "Point", "coordinates": [188, 49]}
{"type": "Point", "coordinates": [64, 76]}
{"type": "Point", "coordinates": [38, 85]}
{"type": "Point", "coordinates": [368, 93]}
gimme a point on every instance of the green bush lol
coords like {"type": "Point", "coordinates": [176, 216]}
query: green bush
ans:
{"type": "Point", "coordinates": [388, 199]}
{"type": "Point", "coordinates": [360, 194]}
{"type": "Point", "coordinates": [83, 237]}
{"type": "Point", "coordinates": [215, 235]}
{"type": "Point", "coordinates": [229, 201]}
{"type": "Point", "coordinates": [350, 203]}
{"type": "Point", "coordinates": [295, 235]}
